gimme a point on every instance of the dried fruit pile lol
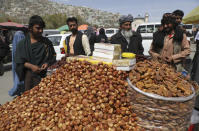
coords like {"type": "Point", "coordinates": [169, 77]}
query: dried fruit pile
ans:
{"type": "Point", "coordinates": [161, 79]}
{"type": "Point", "coordinates": [78, 96]}
{"type": "Point", "coordinates": [58, 64]}
{"type": "Point", "coordinates": [155, 114]}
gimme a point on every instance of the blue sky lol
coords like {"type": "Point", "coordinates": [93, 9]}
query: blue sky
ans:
{"type": "Point", "coordinates": [155, 8]}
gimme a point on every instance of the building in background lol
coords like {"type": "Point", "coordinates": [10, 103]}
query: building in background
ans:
{"type": "Point", "coordinates": [140, 20]}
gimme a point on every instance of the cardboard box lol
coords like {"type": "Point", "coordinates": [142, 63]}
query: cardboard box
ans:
{"type": "Point", "coordinates": [124, 68]}
{"type": "Point", "coordinates": [107, 46]}
{"type": "Point", "coordinates": [110, 52]}
{"type": "Point", "coordinates": [105, 55]}
{"type": "Point", "coordinates": [102, 59]}
{"type": "Point", "coordinates": [124, 62]}
{"type": "Point", "coordinates": [80, 57]}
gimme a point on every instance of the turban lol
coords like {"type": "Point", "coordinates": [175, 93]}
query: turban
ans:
{"type": "Point", "coordinates": [124, 18]}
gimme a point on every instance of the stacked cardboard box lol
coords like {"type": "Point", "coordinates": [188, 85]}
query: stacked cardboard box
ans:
{"type": "Point", "coordinates": [108, 54]}
{"type": "Point", "coordinates": [124, 64]}
{"type": "Point", "coordinates": [107, 51]}
{"type": "Point", "coordinates": [120, 64]}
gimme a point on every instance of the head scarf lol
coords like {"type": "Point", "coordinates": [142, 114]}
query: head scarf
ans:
{"type": "Point", "coordinates": [102, 31]}
{"type": "Point", "coordinates": [170, 18]}
{"type": "Point", "coordinates": [125, 18]}
{"type": "Point", "coordinates": [89, 31]}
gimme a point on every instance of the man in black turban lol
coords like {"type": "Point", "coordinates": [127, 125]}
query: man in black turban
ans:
{"type": "Point", "coordinates": [130, 41]}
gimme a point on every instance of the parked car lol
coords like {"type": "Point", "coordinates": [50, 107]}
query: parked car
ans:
{"type": "Point", "coordinates": [189, 29]}
{"type": "Point", "coordinates": [50, 32]}
{"type": "Point", "coordinates": [58, 41]}
{"type": "Point", "coordinates": [111, 31]}
{"type": "Point", "coordinates": [147, 29]}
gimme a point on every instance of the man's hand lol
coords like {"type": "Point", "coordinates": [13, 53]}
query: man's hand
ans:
{"type": "Point", "coordinates": [32, 67]}
{"type": "Point", "coordinates": [159, 57]}
{"type": "Point", "coordinates": [44, 66]}
{"type": "Point", "coordinates": [168, 59]}
{"type": "Point", "coordinates": [140, 58]}
{"type": "Point", "coordinates": [35, 68]}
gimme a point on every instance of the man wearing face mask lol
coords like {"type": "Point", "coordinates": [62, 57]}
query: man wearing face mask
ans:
{"type": "Point", "coordinates": [77, 42]}
{"type": "Point", "coordinates": [34, 54]}
{"type": "Point", "coordinates": [130, 41]}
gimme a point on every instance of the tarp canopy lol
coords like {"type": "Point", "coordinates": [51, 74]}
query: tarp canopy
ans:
{"type": "Point", "coordinates": [11, 24]}
{"type": "Point", "coordinates": [63, 28]}
{"type": "Point", "coordinates": [192, 17]}
{"type": "Point", "coordinates": [83, 27]}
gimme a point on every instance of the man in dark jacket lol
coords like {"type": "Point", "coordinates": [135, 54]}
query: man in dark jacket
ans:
{"type": "Point", "coordinates": [90, 33]}
{"type": "Point", "coordinates": [130, 41]}
{"type": "Point", "coordinates": [195, 68]}
{"type": "Point", "coordinates": [102, 38]}
{"type": "Point", "coordinates": [4, 49]}
{"type": "Point", "coordinates": [34, 54]}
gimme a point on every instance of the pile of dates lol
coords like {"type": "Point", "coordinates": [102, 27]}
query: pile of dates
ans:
{"type": "Point", "coordinates": [77, 96]}
{"type": "Point", "coordinates": [157, 78]}
{"type": "Point", "coordinates": [157, 114]}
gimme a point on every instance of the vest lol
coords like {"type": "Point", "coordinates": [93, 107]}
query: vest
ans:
{"type": "Point", "coordinates": [77, 46]}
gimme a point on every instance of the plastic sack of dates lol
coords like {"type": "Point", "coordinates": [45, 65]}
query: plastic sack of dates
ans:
{"type": "Point", "coordinates": [78, 96]}
{"type": "Point", "coordinates": [162, 98]}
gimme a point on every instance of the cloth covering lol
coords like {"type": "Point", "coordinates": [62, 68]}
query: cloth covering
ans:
{"type": "Point", "coordinates": [18, 86]}
{"type": "Point", "coordinates": [126, 18]}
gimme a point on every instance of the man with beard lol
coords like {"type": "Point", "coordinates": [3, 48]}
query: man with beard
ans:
{"type": "Point", "coordinates": [77, 42]}
{"type": "Point", "coordinates": [179, 15]}
{"type": "Point", "coordinates": [130, 41]}
{"type": "Point", "coordinates": [34, 54]}
{"type": "Point", "coordinates": [175, 46]}
{"type": "Point", "coordinates": [158, 41]}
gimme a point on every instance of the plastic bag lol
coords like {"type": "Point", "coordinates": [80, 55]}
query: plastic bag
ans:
{"type": "Point", "coordinates": [195, 117]}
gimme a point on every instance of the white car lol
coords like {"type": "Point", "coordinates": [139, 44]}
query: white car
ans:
{"type": "Point", "coordinates": [50, 32]}
{"type": "Point", "coordinates": [147, 29]}
{"type": "Point", "coordinates": [58, 41]}
{"type": "Point", "coordinates": [111, 31]}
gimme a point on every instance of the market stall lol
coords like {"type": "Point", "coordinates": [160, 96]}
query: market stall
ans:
{"type": "Point", "coordinates": [92, 93]}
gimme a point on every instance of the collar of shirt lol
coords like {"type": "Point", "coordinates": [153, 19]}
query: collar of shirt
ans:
{"type": "Point", "coordinates": [170, 35]}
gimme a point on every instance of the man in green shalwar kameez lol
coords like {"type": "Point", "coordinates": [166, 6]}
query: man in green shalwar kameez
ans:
{"type": "Point", "coordinates": [34, 54]}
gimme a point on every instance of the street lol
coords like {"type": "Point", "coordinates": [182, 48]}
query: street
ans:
{"type": "Point", "coordinates": [6, 83]}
